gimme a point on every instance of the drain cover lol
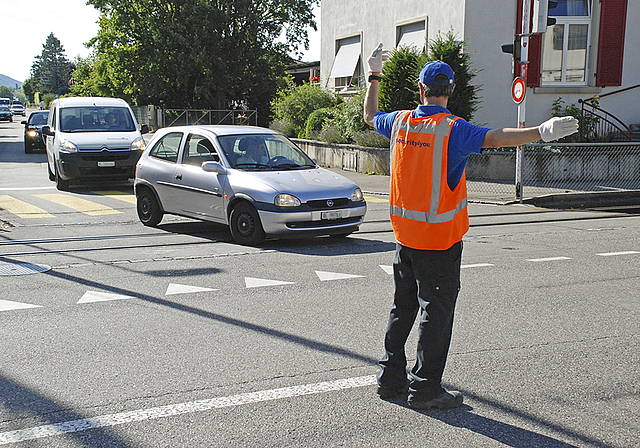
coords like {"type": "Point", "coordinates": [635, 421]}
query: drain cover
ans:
{"type": "Point", "coordinates": [22, 268]}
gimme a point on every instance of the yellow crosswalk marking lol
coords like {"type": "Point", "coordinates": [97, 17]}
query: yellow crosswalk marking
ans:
{"type": "Point", "coordinates": [22, 209]}
{"type": "Point", "coordinates": [376, 199]}
{"type": "Point", "coordinates": [78, 204]}
{"type": "Point", "coordinates": [120, 195]}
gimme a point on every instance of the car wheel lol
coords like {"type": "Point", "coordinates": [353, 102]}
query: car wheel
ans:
{"type": "Point", "coordinates": [245, 225]}
{"type": "Point", "coordinates": [148, 207]}
{"type": "Point", "coordinates": [61, 184]}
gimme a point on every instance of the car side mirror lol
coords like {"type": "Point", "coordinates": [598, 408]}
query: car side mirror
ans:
{"type": "Point", "coordinates": [213, 167]}
{"type": "Point", "coordinates": [144, 129]}
{"type": "Point", "coordinates": [23, 122]}
{"type": "Point", "coordinates": [46, 130]}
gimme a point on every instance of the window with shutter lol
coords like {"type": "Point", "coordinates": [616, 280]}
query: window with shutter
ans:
{"type": "Point", "coordinates": [613, 20]}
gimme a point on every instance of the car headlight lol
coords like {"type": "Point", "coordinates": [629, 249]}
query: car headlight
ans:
{"type": "Point", "coordinates": [357, 196]}
{"type": "Point", "coordinates": [286, 200]}
{"type": "Point", "coordinates": [68, 146]}
{"type": "Point", "coordinates": [32, 133]}
{"type": "Point", "coordinates": [138, 145]}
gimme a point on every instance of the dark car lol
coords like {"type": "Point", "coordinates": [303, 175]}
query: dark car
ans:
{"type": "Point", "coordinates": [33, 138]}
{"type": "Point", "coordinates": [5, 113]}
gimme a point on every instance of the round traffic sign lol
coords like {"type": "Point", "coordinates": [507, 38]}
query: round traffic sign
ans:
{"type": "Point", "coordinates": [518, 90]}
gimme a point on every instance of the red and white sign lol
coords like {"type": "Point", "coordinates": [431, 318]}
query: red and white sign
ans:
{"type": "Point", "coordinates": [518, 90]}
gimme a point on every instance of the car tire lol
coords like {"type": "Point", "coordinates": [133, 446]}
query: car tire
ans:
{"type": "Point", "coordinates": [52, 176]}
{"type": "Point", "coordinates": [245, 225]}
{"type": "Point", "coordinates": [61, 184]}
{"type": "Point", "coordinates": [149, 210]}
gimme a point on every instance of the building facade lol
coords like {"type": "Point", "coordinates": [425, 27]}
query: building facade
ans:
{"type": "Point", "coordinates": [590, 51]}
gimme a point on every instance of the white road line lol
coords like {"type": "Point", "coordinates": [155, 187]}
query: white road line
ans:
{"type": "Point", "coordinates": [613, 254]}
{"type": "Point", "coordinates": [478, 265]}
{"type": "Point", "coordinates": [537, 260]}
{"type": "Point", "coordinates": [121, 418]}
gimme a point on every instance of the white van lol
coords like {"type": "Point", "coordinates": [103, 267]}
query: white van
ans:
{"type": "Point", "coordinates": [92, 138]}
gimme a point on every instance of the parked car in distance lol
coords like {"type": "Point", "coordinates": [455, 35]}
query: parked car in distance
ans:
{"type": "Point", "coordinates": [5, 113]}
{"type": "Point", "coordinates": [252, 179]}
{"type": "Point", "coordinates": [33, 138]}
{"type": "Point", "coordinates": [92, 138]}
{"type": "Point", "coordinates": [18, 109]}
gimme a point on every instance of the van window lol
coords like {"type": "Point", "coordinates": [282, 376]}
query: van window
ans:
{"type": "Point", "coordinates": [96, 119]}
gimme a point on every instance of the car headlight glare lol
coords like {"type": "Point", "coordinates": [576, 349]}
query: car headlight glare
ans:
{"type": "Point", "coordinates": [32, 133]}
{"type": "Point", "coordinates": [286, 200]}
{"type": "Point", "coordinates": [68, 146]}
{"type": "Point", "coordinates": [357, 196]}
{"type": "Point", "coordinates": [138, 145]}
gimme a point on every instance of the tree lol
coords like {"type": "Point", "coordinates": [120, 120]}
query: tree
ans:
{"type": "Point", "coordinates": [51, 71]}
{"type": "Point", "coordinates": [464, 101]}
{"type": "Point", "coordinates": [398, 89]}
{"type": "Point", "coordinates": [213, 54]}
{"type": "Point", "coordinates": [6, 92]}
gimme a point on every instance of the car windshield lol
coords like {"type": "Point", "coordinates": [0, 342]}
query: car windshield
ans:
{"type": "Point", "coordinates": [38, 119]}
{"type": "Point", "coordinates": [263, 152]}
{"type": "Point", "coordinates": [2, 107]}
{"type": "Point", "coordinates": [96, 119]}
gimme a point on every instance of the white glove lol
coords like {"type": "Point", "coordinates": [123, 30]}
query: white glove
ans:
{"type": "Point", "coordinates": [377, 58]}
{"type": "Point", "coordinates": [558, 127]}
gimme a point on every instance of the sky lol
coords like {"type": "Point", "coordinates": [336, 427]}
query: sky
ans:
{"type": "Point", "coordinates": [73, 22]}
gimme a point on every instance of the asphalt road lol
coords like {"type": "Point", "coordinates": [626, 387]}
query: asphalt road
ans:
{"type": "Point", "coordinates": [118, 335]}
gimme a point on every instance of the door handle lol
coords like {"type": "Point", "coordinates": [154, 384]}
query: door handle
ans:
{"type": "Point", "coordinates": [178, 176]}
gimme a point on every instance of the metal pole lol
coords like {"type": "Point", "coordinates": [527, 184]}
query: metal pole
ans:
{"type": "Point", "coordinates": [522, 107]}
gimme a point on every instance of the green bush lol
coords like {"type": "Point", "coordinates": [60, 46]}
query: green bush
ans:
{"type": "Point", "coordinates": [350, 117]}
{"type": "Point", "coordinates": [587, 132]}
{"type": "Point", "coordinates": [317, 120]}
{"type": "Point", "coordinates": [370, 138]}
{"type": "Point", "coordinates": [293, 105]}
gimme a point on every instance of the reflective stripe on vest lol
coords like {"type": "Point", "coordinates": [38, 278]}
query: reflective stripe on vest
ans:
{"type": "Point", "coordinates": [440, 131]}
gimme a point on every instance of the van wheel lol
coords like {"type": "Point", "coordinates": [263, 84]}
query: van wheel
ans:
{"type": "Point", "coordinates": [51, 175]}
{"type": "Point", "coordinates": [245, 225]}
{"type": "Point", "coordinates": [61, 184]}
{"type": "Point", "coordinates": [148, 207]}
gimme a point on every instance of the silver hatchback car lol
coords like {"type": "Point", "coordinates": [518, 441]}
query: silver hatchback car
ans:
{"type": "Point", "coordinates": [252, 179]}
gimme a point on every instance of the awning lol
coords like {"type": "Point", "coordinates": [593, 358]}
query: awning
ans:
{"type": "Point", "coordinates": [412, 35]}
{"type": "Point", "coordinates": [346, 60]}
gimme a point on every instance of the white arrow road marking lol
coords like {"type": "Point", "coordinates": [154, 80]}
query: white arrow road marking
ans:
{"type": "Point", "coordinates": [95, 296]}
{"type": "Point", "coordinates": [103, 421]}
{"type": "Point", "coordinates": [7, 305]}
{"type": "Point", "coordinates": [175, 288]}
{"type": "Point", "coordinates": [327, 276]}
{"type": "Point", "coordinates": [387, 269]}
{"type": "Point", "coordinates": [258, 282]}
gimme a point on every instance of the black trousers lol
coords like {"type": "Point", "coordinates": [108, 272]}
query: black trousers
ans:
{"type": "Point", "coordinates": [429, 281]}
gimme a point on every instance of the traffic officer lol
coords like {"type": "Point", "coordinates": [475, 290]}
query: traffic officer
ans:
{"type": "Point", "coordinates": [428, 207]}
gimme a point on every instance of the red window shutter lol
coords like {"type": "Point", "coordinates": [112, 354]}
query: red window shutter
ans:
{"type": "Point", "coordinates": [613, 21]}
{"type": "Point", "coordinates": [535, 51]}
{"type": "Point", "coordinates": [535, 54]}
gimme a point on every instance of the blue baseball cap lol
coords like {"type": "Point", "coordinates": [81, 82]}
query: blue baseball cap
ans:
{"type": "Point", "coordinates": [432, 69]}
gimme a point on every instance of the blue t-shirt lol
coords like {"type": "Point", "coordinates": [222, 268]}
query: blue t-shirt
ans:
{"type": "Point", "coordinates": [465, 138]}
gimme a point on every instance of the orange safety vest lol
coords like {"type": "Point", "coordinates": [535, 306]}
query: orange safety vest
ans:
{"type": "Point", "coordinates": [425, 212]}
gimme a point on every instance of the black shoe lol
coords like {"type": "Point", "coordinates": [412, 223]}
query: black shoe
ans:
{"type": "Point", "coordinates": [392, 392]}
{"type": "Point", "coordinates": [446, 400]}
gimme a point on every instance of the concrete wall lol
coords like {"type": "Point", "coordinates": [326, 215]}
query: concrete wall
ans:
{"type": "Point", "coordinates": [485, 25]}
{"type": "Point", "coordinates": [574, 163]}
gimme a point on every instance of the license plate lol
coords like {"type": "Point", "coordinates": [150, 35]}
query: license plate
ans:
{"type": "Point", "coordinates": [335, 214]}
{"type": "Point", "coordinates": [106, 164]}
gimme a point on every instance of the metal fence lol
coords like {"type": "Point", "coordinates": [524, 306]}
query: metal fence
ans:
{"type": "Point", "coordinates": [556, 168]}
{"type": "Point", "coordinates": [182, 117]}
